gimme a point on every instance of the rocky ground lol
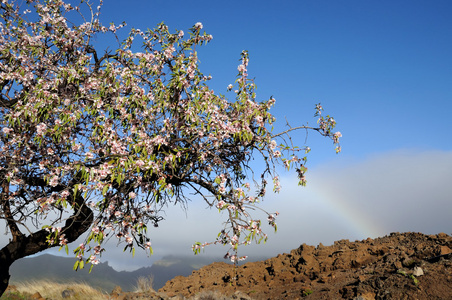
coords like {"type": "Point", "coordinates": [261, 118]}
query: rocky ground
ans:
{"type": "Point", "coordinates": [398, 266]}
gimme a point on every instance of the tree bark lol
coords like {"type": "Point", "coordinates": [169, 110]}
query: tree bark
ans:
{"type": "Point", "coordinates": [24, 246]}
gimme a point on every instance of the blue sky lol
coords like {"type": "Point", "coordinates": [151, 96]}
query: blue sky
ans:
{"type": "Point", "coordinates": [383, 69]}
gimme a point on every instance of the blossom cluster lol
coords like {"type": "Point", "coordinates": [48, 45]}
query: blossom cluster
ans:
{"type": "Point", "coordinates": [122, 134]}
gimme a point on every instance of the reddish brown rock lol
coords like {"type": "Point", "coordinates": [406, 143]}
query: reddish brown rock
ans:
{"type": "Point", "coordinates": [443, 250]}
{"type": "Point", "coordinates": [363, 270]}
{"type": "Point", "coordinates": [37, 296]}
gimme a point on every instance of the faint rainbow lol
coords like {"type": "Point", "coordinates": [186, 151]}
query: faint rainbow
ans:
{"type": "Point", "coordinates": [359, 222]}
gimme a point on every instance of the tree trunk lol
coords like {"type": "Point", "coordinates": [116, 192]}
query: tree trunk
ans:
{"type": "Point", "coordinates": [23, 246]}
{"type": "Point", "coordinates": [20, 248]}
{"type": "Point", "coordinates": [4, 275]}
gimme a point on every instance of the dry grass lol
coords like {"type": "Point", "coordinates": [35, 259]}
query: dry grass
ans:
{"type": "Point", "coordinates": [81, 291]}
{"type": "Point", "coordinates": [54, 291]}
{"type": "Point", "coordinates": [145, 284]}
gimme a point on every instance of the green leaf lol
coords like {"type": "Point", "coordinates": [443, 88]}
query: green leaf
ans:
{"type": "Point", "coordinates": [75, 190]}
{"type": "Point", "coordinates": [105, 189]}
{"type": "Point", "coordinates": [75, 268]}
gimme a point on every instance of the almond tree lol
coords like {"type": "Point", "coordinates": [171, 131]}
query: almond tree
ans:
{"type": "Point", "coordinates": [99, 141]}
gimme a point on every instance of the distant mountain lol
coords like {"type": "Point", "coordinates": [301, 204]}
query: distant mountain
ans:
{"type": "Point", "coordinates": [60, 269]}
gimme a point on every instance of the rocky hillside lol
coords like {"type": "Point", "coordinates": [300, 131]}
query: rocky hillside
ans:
{"type": "Point", "coordinates": [398, 266]}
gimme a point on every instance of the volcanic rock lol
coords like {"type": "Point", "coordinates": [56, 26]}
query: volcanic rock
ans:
{"type": "Point", "coordinates": [381, 268]}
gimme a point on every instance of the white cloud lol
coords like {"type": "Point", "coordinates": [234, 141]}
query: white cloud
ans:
{"type": "Point", "coordinates": [397, 191]}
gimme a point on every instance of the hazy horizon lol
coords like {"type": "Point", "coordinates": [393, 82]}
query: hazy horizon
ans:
{"type": "Point", "coordinates": [382, 69]}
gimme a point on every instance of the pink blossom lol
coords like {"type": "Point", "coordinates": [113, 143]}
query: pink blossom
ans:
{"type": "Point", "coordinates": [302, 179]}
{"type": "Point", "coordinates": [198, 25]}
{"type": "Point", "coordinates": [63, 240]}
{"type": "Point", "coordinates": [221, 204]}
{"type": "Point", "coordinates": [76, 147]}
{"type": "Point", "coordinates": [41, 128]}
{"type": "Point", "coordinates": [97, 250]}
{"type": "Point", "coordinates": [271, 218]}
{"type": "Point", "coordinates": [287, 163]}
{"type": "Point", "coordinates": [259, 119]}
{"type": "Point", "coordinates": [336, 136]}
{"type": "Point", "coordinates": [273, 144]}
{"type": "Point", "coordinates": [254, 225]}
{"type": "Point", "coordinates": [241, 68]}
{"type": "Point", "coordinates": [54, 181]}
{"type": "Point", "coordinates": [64, 193]}
{"type": "Point", "coordinates": [16, 181]}
{"type": "Point", "coordinates": [93, 260]}
{"type": "Point", "coordinates": [232, 207]}
{"type": "Point", "coordinates": [319, 108]}
{"type": "Point", "coordinates": [234, 239]}
{"type": "Point", "coordinates": [7, 130]}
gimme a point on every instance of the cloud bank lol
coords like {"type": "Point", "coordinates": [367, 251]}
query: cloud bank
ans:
{"type": "Point", "coordinates": [405, 190]}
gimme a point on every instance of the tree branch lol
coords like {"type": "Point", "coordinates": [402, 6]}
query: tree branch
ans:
{"type": "Point", "coordinates": [296, 128]}
{"type": "Point", "coordinates": [15, 231]}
